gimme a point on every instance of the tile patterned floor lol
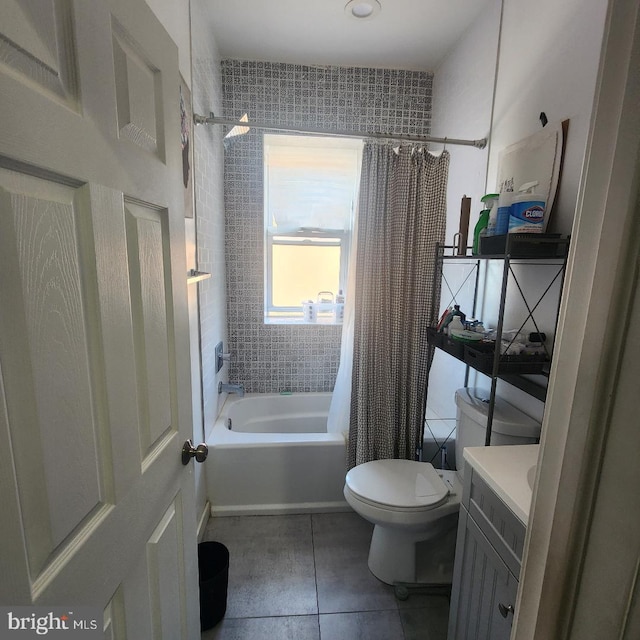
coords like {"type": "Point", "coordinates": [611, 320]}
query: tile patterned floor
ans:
{"type": "Point", "coordinates": [305, 577]}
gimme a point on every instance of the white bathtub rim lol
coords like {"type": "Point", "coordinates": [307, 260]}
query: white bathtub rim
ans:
{"type": "Point", "coordinates": [221, 436]}
{"type": "Point", "coordinates": [277, 397]}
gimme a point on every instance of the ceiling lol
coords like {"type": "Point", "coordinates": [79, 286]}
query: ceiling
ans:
{"type": "Point", "coordinates": [405, 34]}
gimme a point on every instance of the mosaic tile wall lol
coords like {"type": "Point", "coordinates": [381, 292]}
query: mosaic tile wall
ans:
{"type": "Point", "coordinates": [272, 358]}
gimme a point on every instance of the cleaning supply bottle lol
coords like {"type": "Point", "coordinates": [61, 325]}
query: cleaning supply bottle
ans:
{"type": "Point", "coordinates": [504, 211]}
{"type": "Point", "coordinates": [493, 215]}
{"type": "Point", "coordinates": [527, 210]}
{"type": "Point", "coordinates": [483, 221]}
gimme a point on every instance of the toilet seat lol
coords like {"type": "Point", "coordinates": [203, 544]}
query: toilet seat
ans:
{"type": "Point", "coordinates": [397, 485]}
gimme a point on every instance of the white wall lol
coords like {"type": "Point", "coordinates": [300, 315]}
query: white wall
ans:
{"type": "Point", "coordinates": [549, 57]}
{"type": "Point", "coordinates": [209, 174]}
{"type": "Point", "coordinates": [209, 206]}
{"type": "Point", "coordinates": [189, 25]}
{"type": "Point", "coordinates": [462, 99]}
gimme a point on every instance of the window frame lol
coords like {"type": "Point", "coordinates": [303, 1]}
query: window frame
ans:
{"type": "Point", "coordinates": [272, 237]}
{"type": "Point", "coordinates": [299, 238]}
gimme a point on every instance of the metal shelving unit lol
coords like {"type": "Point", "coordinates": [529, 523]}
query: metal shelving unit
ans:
{"type": "Point", "coordinates": [488, 358]}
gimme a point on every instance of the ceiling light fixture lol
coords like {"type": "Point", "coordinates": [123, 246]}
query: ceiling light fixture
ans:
{"type": "Point", "coordinates": [362, 9]}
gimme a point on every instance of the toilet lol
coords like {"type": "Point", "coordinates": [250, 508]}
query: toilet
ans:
{"type": "Point", "coordinates": [414, 507]}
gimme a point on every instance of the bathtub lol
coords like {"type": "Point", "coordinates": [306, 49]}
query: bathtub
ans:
{"type": "Point", "coordinates": [276, 458]}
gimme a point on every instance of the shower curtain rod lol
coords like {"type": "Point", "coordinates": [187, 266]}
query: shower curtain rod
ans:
{"type": "Point", "coordinates": [198, 119]}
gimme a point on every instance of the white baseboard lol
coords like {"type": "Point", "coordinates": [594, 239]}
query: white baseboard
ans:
{"type": "Point", "coordinates": [204, 518]}
{"type": "Point", "coordinates": [279, 509]}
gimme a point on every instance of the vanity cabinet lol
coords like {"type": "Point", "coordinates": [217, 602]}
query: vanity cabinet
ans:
{"type": "Point", "coordinates": [487, 564]}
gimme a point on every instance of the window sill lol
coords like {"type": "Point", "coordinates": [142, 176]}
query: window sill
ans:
{"type": "Point", "coordinates": [299, 320]}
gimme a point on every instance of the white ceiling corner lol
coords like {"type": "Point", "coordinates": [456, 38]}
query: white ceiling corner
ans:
{"type": "Point", "coordinates": [405, 34]}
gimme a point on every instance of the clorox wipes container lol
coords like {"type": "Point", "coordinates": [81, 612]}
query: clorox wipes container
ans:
{"type": "Point", "coordinates": [527, 210]}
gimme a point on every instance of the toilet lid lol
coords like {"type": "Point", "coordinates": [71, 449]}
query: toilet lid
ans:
{"type": "Point", "coordinates": [398, 483]}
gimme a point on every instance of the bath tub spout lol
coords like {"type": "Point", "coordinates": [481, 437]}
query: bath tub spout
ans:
{"type": "Point", "coordinates": [224, 387]}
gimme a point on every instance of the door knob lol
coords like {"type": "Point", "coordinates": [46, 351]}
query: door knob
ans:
{"type": "Point", "coordinates": [505, 610]}
{"type": "Point", "coordinates": [200, 452]}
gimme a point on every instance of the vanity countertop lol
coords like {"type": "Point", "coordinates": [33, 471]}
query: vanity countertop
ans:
{"type": "Point", "coordinates": [505, 470]}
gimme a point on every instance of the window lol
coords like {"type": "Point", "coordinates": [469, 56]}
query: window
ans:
{"type": "Point", "coordinates": [310, 191]}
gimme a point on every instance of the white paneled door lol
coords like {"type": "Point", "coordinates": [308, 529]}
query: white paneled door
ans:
{"type": "Point", "coordinates": [97, 508]}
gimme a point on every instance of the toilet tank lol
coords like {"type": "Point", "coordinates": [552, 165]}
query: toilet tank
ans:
{"type": "Point", "coordinates": [509, 426]}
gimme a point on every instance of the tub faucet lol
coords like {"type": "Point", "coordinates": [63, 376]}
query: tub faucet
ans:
{"type": "Point", "coordinates": [224, 387]}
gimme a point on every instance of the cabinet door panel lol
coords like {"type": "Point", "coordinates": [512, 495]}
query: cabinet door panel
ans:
{"type": "Point", "coordinates": [482, 582]}
{"type": "Point", "coordinates": [498, 523]}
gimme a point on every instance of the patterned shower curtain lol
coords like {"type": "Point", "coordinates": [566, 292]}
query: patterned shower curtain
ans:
{"type": "Point", "coordinates": [401, 217]}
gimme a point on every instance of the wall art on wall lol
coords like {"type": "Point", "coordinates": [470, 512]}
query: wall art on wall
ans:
{"type": "Point", "coordinates": [186, 137]}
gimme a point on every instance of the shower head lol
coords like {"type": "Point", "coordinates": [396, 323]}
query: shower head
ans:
{"type": "Point", "coordinates": [235, 132]}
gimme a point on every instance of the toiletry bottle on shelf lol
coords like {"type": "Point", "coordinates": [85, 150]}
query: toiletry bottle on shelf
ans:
{"type": "Point", "coordinates": [309, 310]}
{"type": "Point", "coordinates": [483, 221]}
{"type": "Point", "coordinates": [460, 314]}
{"type": "Point", "coordinates": [340, 307]}
{"type": "Point", "coordinates": [456, 317]}
{"type": "Point", "coordinates": [443, 319]}
{"type": "Point", "coordinates": [455, 325]}
{"type": "Point", "coordinates": [447, 320]}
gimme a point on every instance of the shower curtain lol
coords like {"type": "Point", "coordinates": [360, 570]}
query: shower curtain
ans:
{"type": "Point", "coordinates": [401, 216]}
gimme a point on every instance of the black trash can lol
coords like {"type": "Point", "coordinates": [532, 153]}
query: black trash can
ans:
{"type": "Point", "coordinates": [213, 571]}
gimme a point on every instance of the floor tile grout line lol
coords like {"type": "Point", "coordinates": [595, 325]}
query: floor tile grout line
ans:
{"type": "Point", "coordinates": [316, 529]}
{"type": "Point", "coordinates": [277, 615]}
{"type": "Point", "coordinates": [315, 574]}
{"type": "Point", "coordinates": [350, 611]}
